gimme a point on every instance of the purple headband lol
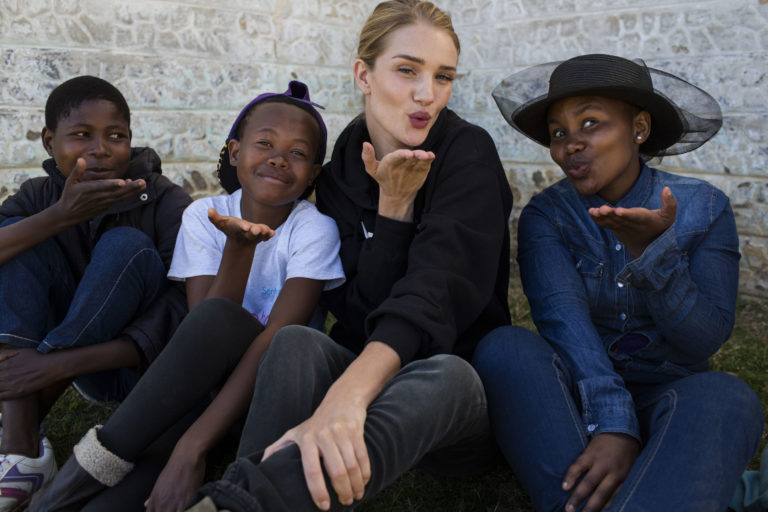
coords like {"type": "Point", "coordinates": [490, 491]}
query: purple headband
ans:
{"type": "Point", "coordinates": [297, 93]}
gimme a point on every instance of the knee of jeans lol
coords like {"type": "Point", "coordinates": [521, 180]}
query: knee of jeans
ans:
{"type": "Point", "coordinates": [505, 347]}
{"type": "Point", "coordinates": [125, 239]}
{"type": "Point", "coordinates": [728, 406]}
{"type": "Point", "coordinates": [741, 403]}
{"type": "Point", "coordinates": [42, 249]}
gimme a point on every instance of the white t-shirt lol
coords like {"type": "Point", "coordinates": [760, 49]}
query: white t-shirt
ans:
{"type": "Point", "coordinates": [305, 245]}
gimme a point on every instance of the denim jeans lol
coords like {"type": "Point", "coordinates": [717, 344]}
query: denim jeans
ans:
{"type": "Point", "coordinates": [43, 307]}
{"type": "Point", "coordinates": [698, 432]}
{"type": "Point", "coordinates": [432, 413]}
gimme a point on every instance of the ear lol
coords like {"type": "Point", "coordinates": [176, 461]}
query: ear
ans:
{"type": "Point", "coordinates": [130, 135]}
{"type": "Point", "coordinates": [641, 126]}
{"type": "Point", "coordinates": [234, 150]}
{"type": "Point", "coordinates": [46, 137]}
{"type": "Point", "coordinates": [360, 70]}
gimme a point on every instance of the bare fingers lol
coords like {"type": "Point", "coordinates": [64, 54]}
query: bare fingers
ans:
{"type": "Point", "coordinates": [313, 473]}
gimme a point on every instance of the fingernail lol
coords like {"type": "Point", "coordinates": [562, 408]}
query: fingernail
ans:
{"type": "Point", "coordinates": [324, 505]}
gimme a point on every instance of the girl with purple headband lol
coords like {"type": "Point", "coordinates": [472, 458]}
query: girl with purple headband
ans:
{"type": "Point", "coordinates": [253, 261]}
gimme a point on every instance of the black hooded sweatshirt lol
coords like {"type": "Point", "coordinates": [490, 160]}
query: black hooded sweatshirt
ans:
{"type": "Point", "coordinates": [437, 284]}
{"type": "Point", "coordinates": [156, 211]}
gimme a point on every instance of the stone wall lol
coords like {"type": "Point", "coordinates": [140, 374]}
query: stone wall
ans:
{"type": "Point", "coordinates": [187, 67]}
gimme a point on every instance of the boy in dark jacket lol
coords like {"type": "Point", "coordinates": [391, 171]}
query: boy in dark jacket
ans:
{"type": "Point", "coordinates": [84, 254]}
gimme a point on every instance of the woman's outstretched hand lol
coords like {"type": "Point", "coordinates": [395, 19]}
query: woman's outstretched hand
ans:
{"type": "Point", "coordinates": [602, 467]}
{"type": "Point", "coordinates": [636, 228]}
{"type": "Point", "coordinates": [400, 175]}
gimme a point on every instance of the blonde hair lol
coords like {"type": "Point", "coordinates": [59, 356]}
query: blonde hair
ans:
{"type": "Point", "coordinates": [391, 15]}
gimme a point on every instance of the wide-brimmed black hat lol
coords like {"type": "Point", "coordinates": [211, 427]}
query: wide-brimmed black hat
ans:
{"type": "Point", "coordinates": [683, 117]}
{"type": "Point", "coordinates": [296, 94]}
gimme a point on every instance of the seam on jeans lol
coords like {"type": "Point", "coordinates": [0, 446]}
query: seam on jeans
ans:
{"type": "Point", "coordinates": [575, 416]}
{"type": "Point", "coordinates": [672, 394]}
{"type": "Point", "coordinates": [106, 299]}
{"type": "Point", "coordinates": [19, 337]}
{"type": "Point", "coordinates": [86, 395]}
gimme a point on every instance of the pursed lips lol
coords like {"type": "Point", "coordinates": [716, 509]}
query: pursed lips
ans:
{"type": "Point", "coordinates": [576, 168]}
{"type": "Point", "coordinates": [419, 119]}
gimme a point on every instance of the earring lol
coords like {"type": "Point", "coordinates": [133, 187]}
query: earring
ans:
{"type": "Point", "coordinates": [639, 137]}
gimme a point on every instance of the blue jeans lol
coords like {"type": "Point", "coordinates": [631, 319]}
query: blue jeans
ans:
{"type": "Point", "coordinates": [42, 306]}
{"type": "Point", "coordinates": [698, 432]}
{"type": "Point", "coordinates": [432, 413]}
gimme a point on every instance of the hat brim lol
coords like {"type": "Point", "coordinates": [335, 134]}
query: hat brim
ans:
{"type": "Point", "coordinates": [683, 117]}
{"type": "Point", "coordinates": [666, 125]}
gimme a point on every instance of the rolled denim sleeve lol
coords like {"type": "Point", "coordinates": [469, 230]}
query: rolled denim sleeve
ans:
{"type": "Point", "coordinates": [690, 291]}
{"type": "Point", "coordinates": [560, 309]}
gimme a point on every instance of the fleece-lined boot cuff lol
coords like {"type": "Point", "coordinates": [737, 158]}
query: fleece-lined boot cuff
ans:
{"type": "Point", "coordinates": [98, 461]}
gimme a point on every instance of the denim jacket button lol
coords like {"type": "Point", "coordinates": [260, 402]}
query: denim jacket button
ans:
{"type": "Point", "coordinates": [618, 247]}
{"type": "Point", "coordinates": [623, 316]}
{"type": "Point", "coordinates": [620, 284]}
{"type": "Point", "coordinates": [591, 427]}
{"type": "Point", "coordinates": [144, 196]}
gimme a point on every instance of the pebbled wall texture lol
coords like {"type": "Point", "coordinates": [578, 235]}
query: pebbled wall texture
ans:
{"type": "Point", "coordinates": [188, 66]}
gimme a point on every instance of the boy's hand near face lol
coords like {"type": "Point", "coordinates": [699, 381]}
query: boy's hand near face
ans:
{"type": "Point", "coordinates": [82, 200]}
{"type": "Point", "coordinates": [240, 231]}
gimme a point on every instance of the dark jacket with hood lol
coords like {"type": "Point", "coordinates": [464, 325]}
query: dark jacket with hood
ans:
{"type": "Point", "coordinates": [156, 211]}
{"type": "Point", "coordinates": [440, 283]}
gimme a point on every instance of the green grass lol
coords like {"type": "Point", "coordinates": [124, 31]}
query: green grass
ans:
{"type": "Point", "coordinates": [745, 355]}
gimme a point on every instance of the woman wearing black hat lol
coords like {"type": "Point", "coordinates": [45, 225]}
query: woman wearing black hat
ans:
{"type": "Point", "coordinates": [632, 276]}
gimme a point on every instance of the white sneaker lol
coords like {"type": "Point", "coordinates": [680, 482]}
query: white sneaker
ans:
{"type": "Point", "coordinates": [20, 476]}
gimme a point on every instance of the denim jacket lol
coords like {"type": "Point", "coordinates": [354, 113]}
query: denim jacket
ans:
{"type": "Point", "coordinates": [615, 320]}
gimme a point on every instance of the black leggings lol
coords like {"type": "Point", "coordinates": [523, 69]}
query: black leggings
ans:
{"type": "Point", "coordinates": [171, 395]}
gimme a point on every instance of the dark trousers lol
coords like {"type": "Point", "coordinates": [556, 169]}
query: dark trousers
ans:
{"type": "Point", "coordinates": [171, 395]}
{"type": "Point", "coordinates": [43, 307]}
{"type": "Point", "coordinates": [432, 414]}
